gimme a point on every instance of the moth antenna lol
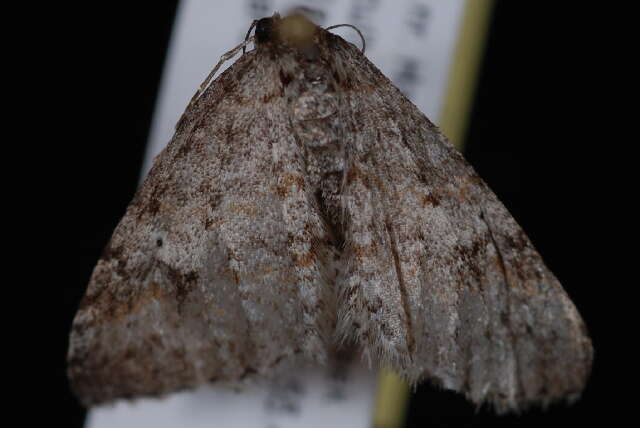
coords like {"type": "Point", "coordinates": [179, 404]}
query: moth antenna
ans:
{"type": "Point", "coordinates": [253, 24]}
{"type": "Point", "coordinates": [355, 28]}
{"type": "Point", "coordinates": [224, 58]}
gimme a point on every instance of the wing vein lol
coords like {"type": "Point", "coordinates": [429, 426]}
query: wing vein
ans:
{"type": "Point", "coordinates": [403, 291]}
{"type": "Point", "coordinates": [512, 336]}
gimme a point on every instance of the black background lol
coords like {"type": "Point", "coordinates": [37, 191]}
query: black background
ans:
{"type": "Point", "coordinates": [532, 124]}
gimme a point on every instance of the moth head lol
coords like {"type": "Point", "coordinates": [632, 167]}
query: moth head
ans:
{"type": "Point", "coordinates": [293, 30]}
{"type": "Point", "coordinates": [265, 28]}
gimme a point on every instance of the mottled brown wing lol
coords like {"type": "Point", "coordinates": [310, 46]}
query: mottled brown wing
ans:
{"type": "Point", "coordinates": [439, 281]}
{"type": "Point", "coordinates": [217, 269]}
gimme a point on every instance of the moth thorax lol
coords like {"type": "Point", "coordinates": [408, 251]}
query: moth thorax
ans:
{"type": "Point", "coordinates": [297, 30]}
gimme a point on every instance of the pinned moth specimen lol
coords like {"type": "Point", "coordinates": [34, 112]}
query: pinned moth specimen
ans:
{"type": "Point", "coordinates": [305, 205]}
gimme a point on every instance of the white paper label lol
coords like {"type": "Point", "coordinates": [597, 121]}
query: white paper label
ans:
{"type": "Point", "coordinates": [308, 398]}
{"type": "Point", "coordinates": [412, 42]}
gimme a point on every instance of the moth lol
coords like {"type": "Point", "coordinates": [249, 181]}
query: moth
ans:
{"type": "Point", "coordinates": [304, 206]}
